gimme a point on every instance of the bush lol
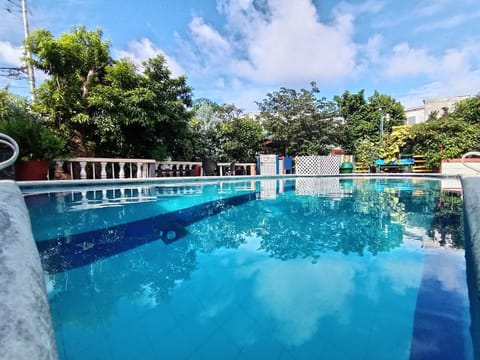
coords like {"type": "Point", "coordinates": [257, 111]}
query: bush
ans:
{"type": "Point", "coordinates": [34, 138]}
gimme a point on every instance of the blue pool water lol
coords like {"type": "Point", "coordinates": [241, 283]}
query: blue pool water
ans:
{"type": "Point", "coordinates": [275, 269]}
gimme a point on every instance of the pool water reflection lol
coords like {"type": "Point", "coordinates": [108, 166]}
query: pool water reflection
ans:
{"type": "Point", "coordinates": [298, 269]}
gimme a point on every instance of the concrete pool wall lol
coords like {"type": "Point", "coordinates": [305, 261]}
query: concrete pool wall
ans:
{"type": "Point", "coordinates": [26, 330]}
{"type": "Point", "coordinates": [471, 204]}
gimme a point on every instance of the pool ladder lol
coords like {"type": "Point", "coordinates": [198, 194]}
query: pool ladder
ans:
{"type": "Point", "coordinates": [468, 154]}
{"type": "Point", "coordinates": [12, 144]}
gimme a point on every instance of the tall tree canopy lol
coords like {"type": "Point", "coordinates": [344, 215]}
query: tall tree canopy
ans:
{"type": "Point", "coordinates": [363, 119]}
{"type": "Point", "coordinates": [307, 123]}
{"type": "Point", "coordinates": [224, 133]}
{"type": "Point", "coordinates": [242, 139]}
{"type": "Point", "coordinates": [107, 107]}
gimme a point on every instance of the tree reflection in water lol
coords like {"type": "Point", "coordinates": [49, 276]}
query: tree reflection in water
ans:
{"type": "Point", "coordinates": [369, 216]}
{"type": "Point", "coordinates": [146, 278]}
{"type": "Point", "coordinates": [447, 226]}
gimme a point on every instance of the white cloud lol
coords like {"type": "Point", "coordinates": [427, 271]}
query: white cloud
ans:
{"type": "Point", "coordinates": [430, 7]}
{"type": "Point", "coordinates": [143, 49]}
{"type": "Point", "coordinates": [208, 39]}
{"type": "Point", "coordinates": [373, 48]}
{"type": "Point", "coordinates": [10, 55]}
{"type": "Point", "coordinates": [369, 6]}
{"type": "Point", "coordinates": [297, 312]}
{"type": "Point", "coordinates": [451, 21]}
{"type": "Point", "coordinates": [281, 41]}
{"type": "Point", "coordinates": [455, 72]}
{"type": "Point", "coordinates": [404, 60]}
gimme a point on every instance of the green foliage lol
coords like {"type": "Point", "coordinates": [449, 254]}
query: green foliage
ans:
{"type": "Point", "coordinates": [366, 152]}
{"type": "Point", "coordinates": [108, 103]}
{"type": "Point", "coordinates": [140, 114]}
{"type": "Point", "coordinates": [363, 119]}
{"type": "Point", "coordinates": [448, 220]}
{"type": "Point", "coordinates": [307, 123]}
{"type": "Point", "coordinates": [469, 110]}
{"type": "Point", "coordinates": [34, 138]}
{"type": "Point", "coordinates": [75, 62]}
{"type": "Point", "coordinates": [448, 136]}
{"type": "Point", "coordinates": [394, 144]}
{"type": "Point", "coordinates": [243, 139]}
{"type": "Point", "coordinates": [444, 138]}
{"type": "Point", "coordinates": [223, 133]}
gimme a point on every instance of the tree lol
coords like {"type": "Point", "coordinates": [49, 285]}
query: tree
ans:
{"type": "Point", "coordinates": [75, 62]}
{"type": "Point", "coordinates": [306, 123]}
{"type": "Point", "coordinates": [445, 137]}
{"type": "Point", "coordinates": [243, 139]}
{"type": "Point", "coordinates": [107, 107]}
{"type": "Point", "coordinates": [363, 119]}
{"type": "Point", "coordinates": [140, 114]}
{"type": "Point", "coordinates": [206, 140]}
{"type": "Point", "coordinates": [224, 133]}
{"type": "Point", "coordinates": [469, 109]}
{"type": "Point", "coordinates": [35, 139]}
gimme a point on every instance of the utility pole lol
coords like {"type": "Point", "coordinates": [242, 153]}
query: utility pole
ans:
{"type": "Point", "coordinates": [27, 54]}
{"type": "Point", "coordinates": [381, 125]}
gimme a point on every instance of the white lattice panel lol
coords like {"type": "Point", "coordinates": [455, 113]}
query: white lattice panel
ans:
{"type": "Point", "coordinates": [318, 186]}
{"type": "Point", "coordinates": [318, 165]}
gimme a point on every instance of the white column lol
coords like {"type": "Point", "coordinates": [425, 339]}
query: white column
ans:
{"type": "Point", "coordinates": [83, 172]}
{"type": "Point", "coordinates": [139, 170]}
{"type": "Point", "coordinates": [103, 172]}
{"type": "Point", "coordinates": [121, 172]}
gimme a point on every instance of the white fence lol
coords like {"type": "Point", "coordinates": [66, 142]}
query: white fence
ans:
{"type": "Point", "coordinates": [318, 165]}
{"type": "Point", "coordinates": [113, 168]}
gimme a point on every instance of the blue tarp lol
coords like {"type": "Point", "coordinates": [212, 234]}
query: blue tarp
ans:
{"type": "Point", "coordinates": [395, 162]}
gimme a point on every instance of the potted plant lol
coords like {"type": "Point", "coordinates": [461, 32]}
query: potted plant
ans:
{"type": "Point", "coordinates": [38, 146]}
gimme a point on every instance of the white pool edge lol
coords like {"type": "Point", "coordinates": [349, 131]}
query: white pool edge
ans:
{"type": "Point", "coordinates": [26, 330]}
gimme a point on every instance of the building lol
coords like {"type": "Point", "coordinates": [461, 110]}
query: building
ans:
{"type": "Point", "coordinates": [420, 114]}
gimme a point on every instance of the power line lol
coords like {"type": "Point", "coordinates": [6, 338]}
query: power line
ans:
{"type": "Point", "coordinates": [16, 73]}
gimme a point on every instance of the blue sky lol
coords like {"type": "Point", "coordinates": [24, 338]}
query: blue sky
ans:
{"type": "Point", "coordinates": [236, 51]}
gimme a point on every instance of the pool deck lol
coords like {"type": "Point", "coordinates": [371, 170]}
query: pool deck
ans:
{"type": "Point", "coordinates": [26, 330]}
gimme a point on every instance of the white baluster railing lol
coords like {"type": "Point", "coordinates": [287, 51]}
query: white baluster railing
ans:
{"type": "Point", "coordinates": [83, 168]}
{"type": "Point", "coordinates": [88, 167]}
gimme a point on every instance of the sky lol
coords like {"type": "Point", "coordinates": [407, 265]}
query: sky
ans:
{"type": "Point", "coordinates": [238, 51]}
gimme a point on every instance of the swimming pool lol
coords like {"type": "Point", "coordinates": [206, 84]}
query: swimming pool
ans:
{"type": "Point", "coordinates": [303, 268]}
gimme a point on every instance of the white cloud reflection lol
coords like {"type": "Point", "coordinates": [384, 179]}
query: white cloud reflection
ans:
{"type": "Point", "coordinates": [294, 296]}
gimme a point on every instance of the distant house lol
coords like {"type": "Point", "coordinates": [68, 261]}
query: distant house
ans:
{"type": "Point", "coordinates": [420, 114]}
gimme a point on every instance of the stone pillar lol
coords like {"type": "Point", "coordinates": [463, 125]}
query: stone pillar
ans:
{"type": "Point", "coordinates": [103, 172]}
{"type": "Point", "coordinates": [83, 172]}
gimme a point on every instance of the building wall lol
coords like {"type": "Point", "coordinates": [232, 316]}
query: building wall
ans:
{"type": "Point", "coordinates": [439, 104]}
{"type": "Point", "coordinates": [421, 114]}
{"type": "Point", "coordinates": [415, 115]}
